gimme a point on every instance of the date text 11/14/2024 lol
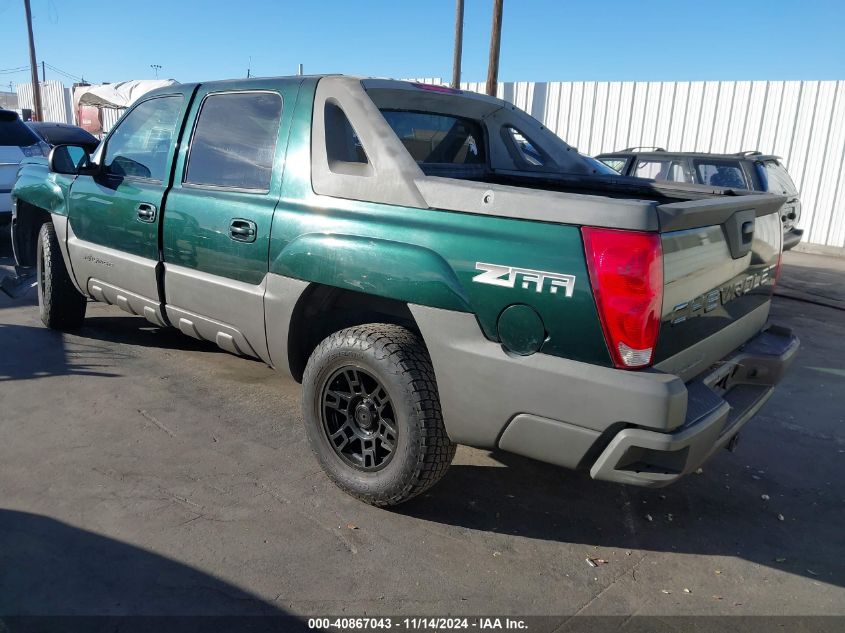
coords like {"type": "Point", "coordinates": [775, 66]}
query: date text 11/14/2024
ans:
{"type": "Point", "coordinates": [414, 624]}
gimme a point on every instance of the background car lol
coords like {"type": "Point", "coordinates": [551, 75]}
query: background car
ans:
{"type": "Point", "coordinates": [64, 134]}
{"type": "Point", "coordinates": [744, 170]}
{"type": "Point", "coordinates": [17, 142]}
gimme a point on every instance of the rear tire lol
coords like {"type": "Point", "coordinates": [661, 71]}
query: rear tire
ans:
{"type": "Point", "coordinates": [372, 414]}
{"type": "Point", "coordinates": [59, 302]}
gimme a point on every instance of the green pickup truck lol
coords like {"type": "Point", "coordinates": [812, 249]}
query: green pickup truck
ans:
{"type": "Point", "coordinates": [434, 266]}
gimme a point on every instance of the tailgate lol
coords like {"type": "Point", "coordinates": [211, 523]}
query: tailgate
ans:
{"type": "Point", "coordinates": [720, 258]}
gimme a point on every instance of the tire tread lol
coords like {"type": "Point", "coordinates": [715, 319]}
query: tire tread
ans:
{"type": "Point", "coordinates": [403, 353]}
{"type": "Point", "coordinates": [61, 305]}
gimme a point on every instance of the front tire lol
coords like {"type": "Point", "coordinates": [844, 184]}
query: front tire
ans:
{"type": "Point", "coordinates": [59, 302]}
{"type": "Point", "coordinates": [372, 414]}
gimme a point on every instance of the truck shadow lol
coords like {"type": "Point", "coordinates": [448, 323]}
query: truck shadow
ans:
{"type": "Point", "coordinates": [699, 515]}
{"type": "Point", "coordinates": [137, 331]}
{"type": "Point", "coordinates": [30, 352]}
{"type": "Point", "coordinates": [50, 568]}
{"type": "Point", "coordinates": [36, 352]}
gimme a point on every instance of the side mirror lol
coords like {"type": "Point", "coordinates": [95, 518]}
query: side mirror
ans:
{"type": "Point", "coordinates": [70, 159]}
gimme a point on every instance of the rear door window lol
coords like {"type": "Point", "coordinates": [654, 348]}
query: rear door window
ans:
{"type": "Point", "coordinates": [671, 170]}
{"type": "Point", "coordinates": [720, 173]}
{"type": "Point", "coordinates": [779, 179]}
{"type": "Point", "coordinates": [234, 141]}
{"type": "Point", "coordinates": [438, 138]}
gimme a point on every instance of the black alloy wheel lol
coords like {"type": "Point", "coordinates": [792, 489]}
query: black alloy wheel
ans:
{"type": "Point", "coordinates": [359, 419]}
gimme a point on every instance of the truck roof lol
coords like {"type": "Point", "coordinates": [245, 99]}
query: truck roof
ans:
{"type": "Point", "coordinates": [370, 83]}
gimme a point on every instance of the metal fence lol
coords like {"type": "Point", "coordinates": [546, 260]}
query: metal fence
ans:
{"type": "Point", "coordinates": [55, 99]}
{"type": "Point", "coordinates": [801, 121]}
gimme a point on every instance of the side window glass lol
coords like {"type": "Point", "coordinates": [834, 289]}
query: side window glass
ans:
{"type": "Point", "coordinates": [525, 148]}
{"type": "Point", "coordinates": [234, 141]}
{"type": "Point", "coordinates": [616, 164]}
{"type": "Point", "coordinates": [678, 173]}
{"type": "Point", "coordinates": [342, 143]}
{"type": "Point", "coordinates": [140, 145]}
{"type": "Point", "coordinates": [721, 174]}
{"type": "Point", "coordinates": [668, 170]}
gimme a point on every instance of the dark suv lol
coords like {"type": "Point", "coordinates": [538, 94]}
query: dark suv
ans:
{"type": "Point", "coordinates": [745, 170]}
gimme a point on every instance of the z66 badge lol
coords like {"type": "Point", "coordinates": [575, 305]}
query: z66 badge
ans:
{"type": "Point", "coordinates": [510, 276]}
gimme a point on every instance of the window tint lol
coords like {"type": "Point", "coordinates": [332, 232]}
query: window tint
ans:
{"type": "Point", "coordinates": [342, 143]}
{"type": "Point", "coordinates": [140, 145]}
{"type": "Point", "coordinates": [667, 169]}
{"type": "Point", "coordinates": [13, 132]}
{"type": "Point", "coordinates": [616, 164]}
{"type": "Point", "coordinates": [721, 174]}
{"type": "Point", "coordinates": [524, 147]}
{"type": "Point", "coordinates": [438, 138]}
{"type": "Point", "coordinates": [779, 179]}
{"type": "Point", "coordinates": [235, 140]}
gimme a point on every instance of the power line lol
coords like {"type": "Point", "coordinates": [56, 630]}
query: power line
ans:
{"type": "Point", "coordinates": [63, 72]}
{"type": "Point", "coordinates": [24, 69]}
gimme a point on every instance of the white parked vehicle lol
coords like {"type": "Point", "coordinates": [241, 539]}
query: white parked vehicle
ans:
{"type": "Point", "coordinates": [17, 142]}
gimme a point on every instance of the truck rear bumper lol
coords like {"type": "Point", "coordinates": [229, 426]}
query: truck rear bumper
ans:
{"type": "Point", "coordinates": [791, 238]}
{"type": "Point", "coordinates": [718, 406]}
{"type": "Point", "coordinates": [646, 428]}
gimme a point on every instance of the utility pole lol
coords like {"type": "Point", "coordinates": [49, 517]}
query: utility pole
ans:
{"type": "Point", "coordinates": [43, 72]}
{"type": "Point", "coordinates": [33, 66]}
{"type": "Point", "coordinates": [459, 43]}
{"type": "Point", "coordinates": [495, 45]}
{"type": "Point", "coordinates": [156, 68]}
{"type": "Point", "coordinates": [249, 68]}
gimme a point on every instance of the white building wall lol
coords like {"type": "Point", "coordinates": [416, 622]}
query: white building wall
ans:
{"type": "Point", "coordinates": [801, 121]}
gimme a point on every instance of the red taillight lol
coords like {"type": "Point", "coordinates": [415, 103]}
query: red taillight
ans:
{"type": "Point", "coordinates": [626, 271]}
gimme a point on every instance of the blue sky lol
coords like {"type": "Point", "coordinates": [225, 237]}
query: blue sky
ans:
{"type": "Point", "coordinates": [554, 40]}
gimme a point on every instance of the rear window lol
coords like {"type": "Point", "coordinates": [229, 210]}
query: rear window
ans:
{"type": "Point", "coordinates": [721, 174]}
{"type": "Point", "coordinates": [779, 179]}
{"type": "Point", "coordinates": [14, 132]}
{"type": "Point", "coordinates": [438, 138]}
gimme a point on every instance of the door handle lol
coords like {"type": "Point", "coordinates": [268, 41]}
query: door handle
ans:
{"type": "Point", "coordinates": [146, 212]}
{"type": "Point", "coordinates": [747, 231]}
{"type": "Point", "coordinates": [242, 230]}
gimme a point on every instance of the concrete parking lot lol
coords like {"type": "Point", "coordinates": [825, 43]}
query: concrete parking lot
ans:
{"type": "Point", "coordinates": [143, 472]}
